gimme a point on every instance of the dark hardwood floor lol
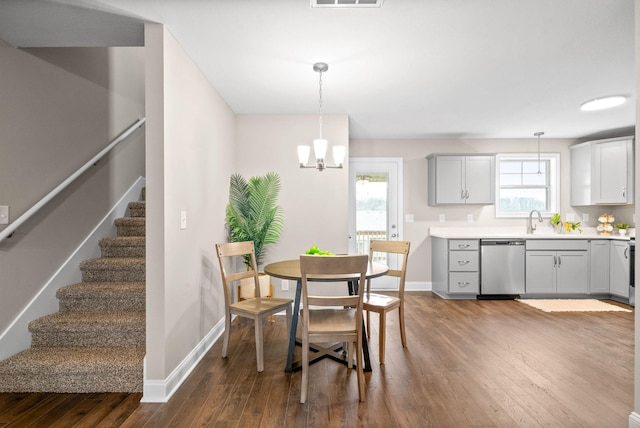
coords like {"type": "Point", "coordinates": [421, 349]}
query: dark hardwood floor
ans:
{"type": "Point", "coordinates": [468, 364]}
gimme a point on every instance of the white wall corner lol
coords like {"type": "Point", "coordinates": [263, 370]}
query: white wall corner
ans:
{"type": "Point", "coordinates": [16, 337]}
{"type": "Point", "coordinates": [160, 391]}
{"type": "Point", "coordinates": [634, 420]}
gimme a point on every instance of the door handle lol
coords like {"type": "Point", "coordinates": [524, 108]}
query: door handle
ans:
{"type": "Point", "coordinates": [393, 235]}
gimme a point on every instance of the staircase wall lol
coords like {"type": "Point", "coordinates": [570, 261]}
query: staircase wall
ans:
{"type": "Point", "coordinates": [60, 107]}
{"type": "Point", "coordinates": [16, 336]}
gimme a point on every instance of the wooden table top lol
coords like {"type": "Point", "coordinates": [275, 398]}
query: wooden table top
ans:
{"type": "Point", "coordinates": [290, 270]}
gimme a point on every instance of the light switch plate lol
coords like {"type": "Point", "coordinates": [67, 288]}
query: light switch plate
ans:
{"type": "Point", "coordinates": [470, 218]}
{"type": "Point", "coordinates": [408, 218]}
{"type": "Point", "coordinates": [585, 217]}
{"type": "Point", "coordinates": [441, 218]}
{"type": "Point", "coordinates": [284, 285]}
{"type": "Point", "coordinates": [183, 220]}
{"type": "Point", "coordinates": [4, 214]}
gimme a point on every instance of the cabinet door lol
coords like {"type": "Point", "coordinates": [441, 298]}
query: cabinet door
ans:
{"type": "Point", "coordinates": [540, 273]}
{"type": "Point", "coordinates": [480, 179]}
{"type": "Point", "coordinates": [572, 275]}
{"type": "Point", "coordinates": [611, 173]}
{"type": "Point", "coordinates": [619, 273]}
{"type": "Point", "coordinates": [599, 266]}
{"type": "Point", "coordinates": [450, 180]}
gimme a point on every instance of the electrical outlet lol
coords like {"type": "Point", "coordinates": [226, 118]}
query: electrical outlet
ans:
{"type": "Point", "coordinates": [585, 217]}
{"type": "Point", "coordinates": [441, 218]}
{"type": "Point", "coordinates": [470, 218]}
{"type": "Point", "coordinates": [284, 285]}
{"type": "Point", "coordinates": [408, 218]}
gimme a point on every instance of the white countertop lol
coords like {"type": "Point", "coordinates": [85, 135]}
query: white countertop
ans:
{"type": "Point", "coordinates": [542, 232]}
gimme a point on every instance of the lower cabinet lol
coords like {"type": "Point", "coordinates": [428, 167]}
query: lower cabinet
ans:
{"type": "Point", "coordinates": [619, 269]}
{"type": "Point", "coordinates": [455, 267]}
{"type": "Point", "coordinates": [557, 271]}
{"type": "Point", "coordinates": [599, 266]}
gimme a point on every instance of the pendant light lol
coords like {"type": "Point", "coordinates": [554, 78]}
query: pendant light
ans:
{"type": "Point", "coordinates": [320, 144]}
{"type": "Point", "coordinates": [539, 134]}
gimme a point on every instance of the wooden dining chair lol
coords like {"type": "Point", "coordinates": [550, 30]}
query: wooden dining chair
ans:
{"type": "Point", "coordinates": [257, 308]}
{"type": "Point", "coordinates": [382, 303]}
{"type": "Point", "coordinates": [336, 318]}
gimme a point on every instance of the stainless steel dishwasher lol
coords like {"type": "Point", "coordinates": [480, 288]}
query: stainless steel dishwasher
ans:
{"type": "Point", "coordinates": [501, 268]}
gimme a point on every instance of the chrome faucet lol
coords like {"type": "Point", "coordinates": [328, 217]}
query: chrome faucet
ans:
{"type": "Point", "coordinates": [530, 226]}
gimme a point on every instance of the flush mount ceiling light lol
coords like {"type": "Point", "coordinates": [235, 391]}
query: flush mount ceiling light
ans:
{"type": "Point", "coordinates": [603, 103]}
{"type": "Point", "coordinates": [320, 144]}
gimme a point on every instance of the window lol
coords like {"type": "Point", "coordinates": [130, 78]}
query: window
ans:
{"type": "Point", "coordinates": [524, 184]}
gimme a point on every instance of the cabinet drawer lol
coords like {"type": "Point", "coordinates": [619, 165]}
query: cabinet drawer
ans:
{"type": "Point", "coordinates": [463, 261]}
{"type": "Point", "coordinates": [463, 244]}
{"type": "Point", "coordinates": [464, 282]}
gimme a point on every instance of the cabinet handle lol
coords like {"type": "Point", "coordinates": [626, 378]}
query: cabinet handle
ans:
{"type": "Point", "coordinates": [463, 283]}
{"type": "Point", "coordinates": [626, 250]}
{"type": "Point", "coordinates": [463, 245]}
{"type": "Point", "coordinates": [463, 262]}
{"type": "Point", "coordinates": [466, 194]}
{"type": "Point", "coordinates": [555, 261]}
{"type": "Point", "coordinates": [624, 192]}
{"type": "Point", "coordinates": [462, 194]}
{"type": "Point", "coordinates": [559, 261]}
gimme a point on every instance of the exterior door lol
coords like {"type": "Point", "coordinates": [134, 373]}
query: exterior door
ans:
{"type": "Point", "coordinates": [375, 209]}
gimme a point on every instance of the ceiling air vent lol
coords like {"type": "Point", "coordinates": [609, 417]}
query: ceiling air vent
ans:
{"type": "Point", "coordinates": [346, 3]}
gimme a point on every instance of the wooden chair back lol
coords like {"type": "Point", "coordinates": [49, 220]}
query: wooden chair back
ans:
{"type": "Point", "coordinates": [235, 270]}
{"type": "Point", "coordinates": [392, 247]}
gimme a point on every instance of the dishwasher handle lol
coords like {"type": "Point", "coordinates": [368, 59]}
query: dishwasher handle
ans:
{"type": "Point", "coordinates": [485, 242]}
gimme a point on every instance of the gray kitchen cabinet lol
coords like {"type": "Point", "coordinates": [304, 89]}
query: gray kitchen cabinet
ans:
{"type": "Point", "coordinates": [461, 179]}
{"type": "Point", "coordinates": [557, 267]}
{"type": "Point", "coordinates": [602, 172]}
{"type": "Point", "coordinates": [455, 267]}
{"type": "Point", "coordinates": [599, 266]}
{"type": "Point", "coordinates": [619, 269]}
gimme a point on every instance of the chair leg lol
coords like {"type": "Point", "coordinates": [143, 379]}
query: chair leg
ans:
{"type": "Point", "coordinates": [227, 334]}
{"type": "Point", "coordinates": [360, 367]}
{"type": "Point", "coordinates": [368, 324]}
{"type": "Point", "coordinates": [288, 317]}
{"type": "Point", "coordinates": [403, 335]}
{"type": "Point", "coordinates": [259, 344]}
{"type": "Point", "coordinates": [305, 369]}
{"type": "Point", "coordinates": [383, 329]}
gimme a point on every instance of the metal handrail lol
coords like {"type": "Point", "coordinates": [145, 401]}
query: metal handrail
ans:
{"type": "Point", "coordinates": [31, 211]}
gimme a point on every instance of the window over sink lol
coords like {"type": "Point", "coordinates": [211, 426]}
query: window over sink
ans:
{"type": "Point", "coordinates": [526, 182]}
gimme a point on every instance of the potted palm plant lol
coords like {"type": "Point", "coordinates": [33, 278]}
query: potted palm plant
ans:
{"type": "Point", "coordinates": [253, 215]}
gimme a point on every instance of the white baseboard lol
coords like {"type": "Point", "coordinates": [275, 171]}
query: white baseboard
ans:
{"type": "Point", "coordinates": [160, 391]}
{"type": "Point", "coordinates": [16, 337]}
{"type": "Point", "coordinates": [634, 420]}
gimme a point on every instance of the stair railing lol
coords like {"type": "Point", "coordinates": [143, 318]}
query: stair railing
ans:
{"type": "Point", "coordinates": [31, 211]}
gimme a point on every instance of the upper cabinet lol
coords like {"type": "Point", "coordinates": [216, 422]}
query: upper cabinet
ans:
{"type": "Point", "coordinates": [602, 172]}
{"type": "Point", "coordinates": [461, 179]}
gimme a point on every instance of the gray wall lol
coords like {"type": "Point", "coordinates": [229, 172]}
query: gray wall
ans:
{"type": "Point", "coordinates": [60, 107]}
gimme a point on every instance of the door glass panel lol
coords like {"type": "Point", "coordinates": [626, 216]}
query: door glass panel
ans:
{"type": "Point", "coordinates": [372, 192]}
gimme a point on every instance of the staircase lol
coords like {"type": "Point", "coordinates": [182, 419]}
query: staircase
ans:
{"type": "Point", "coordinates": [96, 341]}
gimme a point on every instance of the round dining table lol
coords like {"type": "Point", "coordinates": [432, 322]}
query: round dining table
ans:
{"type": "Point", "coordinates": [290, 270]}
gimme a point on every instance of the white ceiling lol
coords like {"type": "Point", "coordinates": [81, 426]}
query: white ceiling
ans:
{"type": "Point", "coordinates": [410, 69]}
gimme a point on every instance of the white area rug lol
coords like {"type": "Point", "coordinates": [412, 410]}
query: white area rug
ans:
{"type": "Point", "coordinates": [572, 305]}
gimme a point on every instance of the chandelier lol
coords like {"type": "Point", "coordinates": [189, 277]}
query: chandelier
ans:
{"type": "Point", "coordinates": [320, 144]}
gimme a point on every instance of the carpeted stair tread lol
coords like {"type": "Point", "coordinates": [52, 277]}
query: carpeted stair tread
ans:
{"type": "Point", "coordinates": [130, 226]}
{"type": "Point", "coordinates": [102, 296]}
{"type": "Point", "coordinates": [123, 246]}
{"type": "Point", "coordinates": [73, 370]}
{"type": "Point", "coordinates": [87, 329]}
{"type": "Point", "coordinates": [137, 208]}
{"type": "Point", "coordinates": [117, 269]}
